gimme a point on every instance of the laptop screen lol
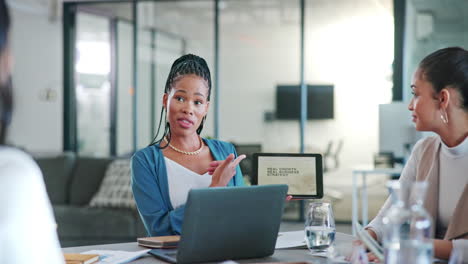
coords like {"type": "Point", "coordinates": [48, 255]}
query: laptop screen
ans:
{"type": "Point", "coordinates": [231, 223]}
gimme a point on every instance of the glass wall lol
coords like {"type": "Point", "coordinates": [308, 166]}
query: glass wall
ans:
{"type": "Point", "coordinates": [348, 45]}
{"type": "Point", "coordinates": [260, 49]}
{"type": "Point", "coordinates": [103, 74]}
{"type": "Point", "coordinates": [168, 48]}
{"type": "Point", "coordinates": [124, 114]}
{"type": "Point", "coordinates": [182, 27]}
{"type": "Point", "coordinates": [145, 60]}
{"type": "Point", "coordinates": [431, 25]}
{"type": "Point", "coordinates": [92, 73]}
{"type": "Point", "coordinates": [111, 102]}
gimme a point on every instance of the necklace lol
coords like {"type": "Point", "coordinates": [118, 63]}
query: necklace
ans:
{"type": "Point", "coordinates": [186, 152]}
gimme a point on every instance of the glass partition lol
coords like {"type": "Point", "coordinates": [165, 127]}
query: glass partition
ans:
{"type": "Point", "coordinates": [350, 46]}
{"type": "Point", "coordinates": [144, 87]}
{"type": "Point", "coordinates": [124, 116]}
{"type": "Point", "coordinates": [260, 49]}
{"type": "Point", "coordinates": [92, 73]}
{"type": "Point", "coordinates": [180, 27]}
{"type": "Point", "coordinates": [168, 48]}
{"type": "Point", "coordinates": [259, 52]}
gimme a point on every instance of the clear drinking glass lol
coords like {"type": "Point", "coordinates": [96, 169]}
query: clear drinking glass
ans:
{"type": "Point", "coordinates": [319, 226]}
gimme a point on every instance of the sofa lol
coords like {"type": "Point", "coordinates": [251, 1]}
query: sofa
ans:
{"type": "Point", "coordinates": [71, 182]}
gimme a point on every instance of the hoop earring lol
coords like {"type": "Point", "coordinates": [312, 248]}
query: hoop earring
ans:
{"type": "Point", "coordinates": [444, 116]}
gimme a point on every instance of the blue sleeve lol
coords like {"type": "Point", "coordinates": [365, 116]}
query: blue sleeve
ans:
{"type": "Point", "coordinates": [157, 214]}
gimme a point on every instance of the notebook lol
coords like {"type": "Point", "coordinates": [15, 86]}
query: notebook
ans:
{"type": "Point", "coordinates": [228, 223]}
{"type": "Point", "coordinates": [72, 258]}
{"type": "Point", "coordinates": [159, 241]}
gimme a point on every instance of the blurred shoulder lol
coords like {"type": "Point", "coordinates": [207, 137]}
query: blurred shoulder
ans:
{"type": "Point", "coordinates": [15, 159]}
{"type": "Point", "coordinates": [18, 171]}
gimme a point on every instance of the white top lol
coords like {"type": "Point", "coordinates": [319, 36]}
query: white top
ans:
{"type": "Point", "coordinates": [452, 181]}
{"type": "Point", "coordinates": [181, 180]}
{"type": "Point", "coordinates": [27, 225]}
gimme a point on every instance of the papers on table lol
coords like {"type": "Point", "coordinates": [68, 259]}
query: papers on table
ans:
{"type": "Point", "coordinates": [116, 256]}
{"type": "Point", "coordinates": [294, 239]}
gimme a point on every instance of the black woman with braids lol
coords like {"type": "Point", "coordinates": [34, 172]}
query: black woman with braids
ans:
{"type": "Point", "coordinates": [27, 225]}
{"type": "Point", "coordinates": [164, 172]}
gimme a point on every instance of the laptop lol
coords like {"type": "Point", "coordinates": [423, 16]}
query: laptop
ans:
{"type": "Point", "coordinates": [228, 223]}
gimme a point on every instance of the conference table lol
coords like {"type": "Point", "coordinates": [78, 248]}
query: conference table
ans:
{"type": "Point", "coordinates": [280, 255]}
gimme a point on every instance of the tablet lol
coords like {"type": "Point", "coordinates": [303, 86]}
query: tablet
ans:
{"type": "Point", "coordinates": [301, 172]}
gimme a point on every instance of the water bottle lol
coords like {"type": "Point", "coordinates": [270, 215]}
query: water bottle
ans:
{"type": "Point", "coordinates": [396, 223]}
{"type": "Point", "coordinates": [419, 246]}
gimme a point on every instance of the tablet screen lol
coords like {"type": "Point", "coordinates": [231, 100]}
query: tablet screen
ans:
{"type": "Point", "coordinates": [301, 172]}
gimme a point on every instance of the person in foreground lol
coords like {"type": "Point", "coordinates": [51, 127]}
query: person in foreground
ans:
{"type": "Point", "coordinates": [440, 105]}
{"type": "Point", "coordinates": [27, 225]}
{"type": "Point", "coordinates": [164, 172]}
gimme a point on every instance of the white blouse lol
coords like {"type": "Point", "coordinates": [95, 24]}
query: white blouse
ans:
{"type": "Point", "coordinates": [27, 225]}
{"type": "Point", "coordinates": [181, 180]}
{"type": "Point", "coordinates": [452, 181]}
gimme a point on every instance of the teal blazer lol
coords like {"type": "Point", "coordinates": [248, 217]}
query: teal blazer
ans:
{"type": "Point", "coordinates": [151, 190]}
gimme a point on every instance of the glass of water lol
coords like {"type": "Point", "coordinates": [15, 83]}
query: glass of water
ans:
{"type": "Point", "coordinates": [319, 226]}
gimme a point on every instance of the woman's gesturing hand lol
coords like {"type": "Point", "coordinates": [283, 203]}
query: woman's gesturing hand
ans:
{"type": "Point", "coordinates": [223, 170]}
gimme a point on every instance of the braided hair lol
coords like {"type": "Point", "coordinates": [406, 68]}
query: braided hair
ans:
{"type": "Point", "coordinates": [6, 101]}
{"type": "Point", "coordinates": [185, 65]}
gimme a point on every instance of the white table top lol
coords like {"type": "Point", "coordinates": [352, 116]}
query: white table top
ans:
{"type": "Point", "coordinates": [280, 255]}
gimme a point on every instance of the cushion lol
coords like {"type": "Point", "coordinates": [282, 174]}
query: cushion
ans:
{"type": "Point", "coordinates": [87, 177]}
{"type": "Point", "coordinates": [57, 174]}
{"type": "Point", "coordinates": [115, 190]}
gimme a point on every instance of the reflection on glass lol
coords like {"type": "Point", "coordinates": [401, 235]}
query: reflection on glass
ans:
{"type": "Point", "coordinates": [181, 27]}
{"type": "Point", "coordinates": [157, 50]}
{"type": "Point", "coordinates": [92, 84]}
{"type": "Point", "coordinates": [144, 87]}
{"type": "Point", "coordinates": [124, 88]}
